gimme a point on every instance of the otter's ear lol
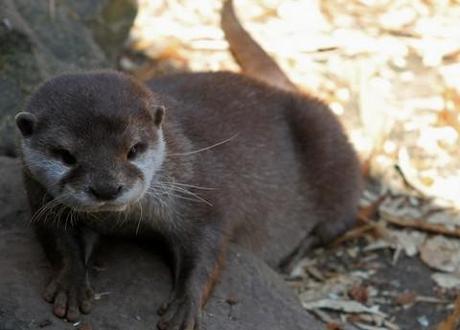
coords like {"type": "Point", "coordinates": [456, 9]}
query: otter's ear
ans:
{"type": "Point", "coordinates": [159, 115]}
{"type": "Point", "coordinates": [26, 123]}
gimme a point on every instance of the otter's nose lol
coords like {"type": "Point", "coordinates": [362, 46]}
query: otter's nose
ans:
{"type": "Point", "coordinates": [106, 192]}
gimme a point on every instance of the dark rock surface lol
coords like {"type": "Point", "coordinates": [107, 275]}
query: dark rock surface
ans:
{"type": "Point", "coordinates": [249, 295]}
{"type": "Point", "coordinates": [39, 40]}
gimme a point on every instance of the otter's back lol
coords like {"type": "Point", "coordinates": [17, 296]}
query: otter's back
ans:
{"type": "Point", "coordinates": [287, 162]}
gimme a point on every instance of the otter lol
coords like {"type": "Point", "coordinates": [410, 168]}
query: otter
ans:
{"type": "Point", "coordinates": [193, 159]}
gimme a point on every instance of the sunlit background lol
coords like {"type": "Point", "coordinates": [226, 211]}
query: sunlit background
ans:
{"type": "Point", "coordinates": [390, 70]}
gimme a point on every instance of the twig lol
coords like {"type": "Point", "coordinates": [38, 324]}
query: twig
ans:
{"type": "Point", "coordinates": [364, 216]}
{"type": "Point", "coordinates": [321, 50]}
{"type": "Point", "coordinates": [423, 226]}
{"type": "Point", "coordinates": [355, 233]}
{"type": "Point", "coordinates": [403, 34]}
{"type": "Point", "coordinates": [431, 300]}
{"type": "Point", "coordinates": [371, 211]}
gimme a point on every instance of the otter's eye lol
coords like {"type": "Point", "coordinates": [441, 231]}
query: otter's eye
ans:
{"type": "Point", "coordinates": [65, 156]}
{"type": "Point", "coordinates": [136, 150]}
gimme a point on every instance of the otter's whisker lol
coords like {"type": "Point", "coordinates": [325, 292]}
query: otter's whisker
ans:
{"type": "Point", "coordinates": [169, 190]}
{"type": "Point", "coordinates": [140, 218]}
{"type": "Point", "coordinates": [44, 209]}
{"type": "Point", "coordinates": [187, 192]}
{"type": "Point", "coordinates": [188, 185]}
{"type": "Point", "coordinates": [205, 148]}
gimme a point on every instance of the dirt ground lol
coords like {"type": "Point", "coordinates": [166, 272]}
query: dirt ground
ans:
{"type": "Point", "coordinates": [403, 291]}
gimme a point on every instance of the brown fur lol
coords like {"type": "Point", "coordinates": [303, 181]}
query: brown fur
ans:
{"type": "Point", "coordinates": [252, 58]}
{"type": "Point", "coordinates": [250, 156]}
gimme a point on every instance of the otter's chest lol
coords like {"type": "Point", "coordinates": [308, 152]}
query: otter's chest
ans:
{"type": "Point", "coordinates": [141, 220]}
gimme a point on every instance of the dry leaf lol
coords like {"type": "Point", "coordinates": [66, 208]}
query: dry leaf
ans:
{"type": "Point", "coordinates": [334, 286]}
{"type": "Point", "coordinates": [441, 253]}
{"type": "Point", "coordinates": [409, 241]}
{"type": "Point", "coordinates": [346, 306]}
{"type": "Point", "coordinates": [447, 281]}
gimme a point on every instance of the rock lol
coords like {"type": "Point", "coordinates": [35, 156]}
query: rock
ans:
{"type": "Point", "coordinates": [109, 21]}
{"type": "Point", "coordinates": [133, 282]}
{"type": "Point", "coordinates": [39, 40]}
{"type": "Point", "coordinates": [13, 203]}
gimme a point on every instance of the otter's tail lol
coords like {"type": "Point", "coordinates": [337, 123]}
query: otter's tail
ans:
{"type": "Point", "coordinates": [253, 60]}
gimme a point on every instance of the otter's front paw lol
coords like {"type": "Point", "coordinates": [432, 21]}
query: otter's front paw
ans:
{"type": "Point", "coordinates": [180, 314]}
{"type": "Point", "coordinates": [69, 295]}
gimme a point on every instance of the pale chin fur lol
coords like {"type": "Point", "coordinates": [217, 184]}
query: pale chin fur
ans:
{"type": "Point", "coordinates": [46, 170]}
{"type": "Point", "coordinates": [49, 173]}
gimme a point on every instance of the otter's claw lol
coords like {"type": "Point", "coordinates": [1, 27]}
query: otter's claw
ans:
{"type": "Point", "coordinates": [179, 314]}
{"type": "Point", "coordinates": [69, 297]}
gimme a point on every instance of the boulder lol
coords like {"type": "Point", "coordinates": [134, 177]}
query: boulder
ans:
{"type": "Point", "coordinates": [39, 39]}
{"type": "Point", "coordinates": [133, 283]}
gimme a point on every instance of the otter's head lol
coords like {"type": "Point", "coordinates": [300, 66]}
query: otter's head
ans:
{"type": "Point", "coordinates": [94, 141]}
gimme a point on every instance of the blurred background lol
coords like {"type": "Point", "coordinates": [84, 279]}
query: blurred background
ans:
{"type": "Point", "coordinates": [389, 69]}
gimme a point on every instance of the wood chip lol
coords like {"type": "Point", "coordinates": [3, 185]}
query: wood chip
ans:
{"type": "Point", "coordinates": [359, 293]}
{"type": "Point", "coordinates": [346, 306]}
{"type": "Point", "coordinates": [406, 298]}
